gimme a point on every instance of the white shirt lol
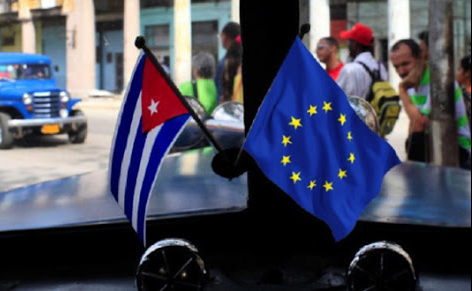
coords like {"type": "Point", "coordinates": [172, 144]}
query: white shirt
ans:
{"type": "Point", "coordinates": [355, 80]}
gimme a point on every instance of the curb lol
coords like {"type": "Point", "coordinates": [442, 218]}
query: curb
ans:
{"type": "Point", "coordinates": [100, 103]}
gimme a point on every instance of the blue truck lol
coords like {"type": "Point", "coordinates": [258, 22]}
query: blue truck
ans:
{"type": "Point", "coordinates": [32, 103]}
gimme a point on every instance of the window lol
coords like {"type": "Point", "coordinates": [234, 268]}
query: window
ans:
{"type": "Point", "coordinates": [158, 36]}
{"type": "Point", "coordinates": [5, 5]}
{"type": "Point", "coordinates": [205, 37]}
{"type": "Point", "coordinates": [156, 3]}
{"type": "Point", "coordinates": [158, 40]}
{"type": "Point", "coordinates": [8, 40]}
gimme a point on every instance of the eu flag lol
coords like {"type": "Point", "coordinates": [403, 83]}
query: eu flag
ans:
{"type": "Point", "coordinates": [308, 141]}
{"type": "Point", "coordinates": [150, 120]}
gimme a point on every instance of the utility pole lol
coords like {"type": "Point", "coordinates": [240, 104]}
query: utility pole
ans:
{"type": "Point", "coordinates": [443, 127]}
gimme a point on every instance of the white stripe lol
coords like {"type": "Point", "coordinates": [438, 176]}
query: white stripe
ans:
{"type": "Point", "coordinates": [129, 150]}
{"type": "Point", "coordinates": [148, 147]}
{"type": "Point", "coordinates": [119, 118]}
{"type": "Point", "coordinates": [157, 174]}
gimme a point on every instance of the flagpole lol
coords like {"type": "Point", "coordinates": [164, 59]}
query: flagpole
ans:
{"type": "Point", "coordinates": [140, 43]}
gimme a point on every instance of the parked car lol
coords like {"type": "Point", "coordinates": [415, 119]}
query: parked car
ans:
{"type": "Point", "coordinates": [32, 103]}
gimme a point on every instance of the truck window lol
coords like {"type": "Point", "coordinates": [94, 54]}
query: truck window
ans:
{"type": "Point", "coordinates": [25, 71]}
{"type": "Point", "coordinates": [7, 72]}
{"type": "Point", "coordinates": [33, 71]}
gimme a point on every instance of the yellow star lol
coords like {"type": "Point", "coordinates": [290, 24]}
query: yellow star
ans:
{"type": "Point", "coordinates": [349, 136]}
{"type": "Point", "coordinates": [342, 119]}
{"type": "Point", "coordinates": [286, 160]}
{"type": "Point", "coordinates": [352, 158]}
{"type": "Point", "coordinates": [328, 186]}
{"type": "Point", "coordinates": [296, 123]}
{"type": "Point", "coordinates": [286, 140]}
{"type": "Point", "coordinates": [295, 177]}
{"type": "Point", "coordinates": [342, 174]}
{"type": "Point", "coordinates": [312, 185]}
{"type": "Point", "coordinates": [313, 110]}
{"type": "Point", "coordinates": [327, 107]}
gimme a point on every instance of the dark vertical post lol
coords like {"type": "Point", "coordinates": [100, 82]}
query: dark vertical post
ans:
{"type": "Point", "coordinates": [266, 42]}
{"type": "Point", "coordinates": [443, 138]}
{"type": "Point", "coordinates": [269, 29]}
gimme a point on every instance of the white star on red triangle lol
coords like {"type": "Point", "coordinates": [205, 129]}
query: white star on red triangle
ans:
{"type": "Point", "coordinates": [153, 107]}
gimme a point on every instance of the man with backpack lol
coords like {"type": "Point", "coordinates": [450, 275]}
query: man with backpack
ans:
{"type": "Point", "coordinates": [355, 77]}
{"type": "Point", "coordinates": [366, 78]}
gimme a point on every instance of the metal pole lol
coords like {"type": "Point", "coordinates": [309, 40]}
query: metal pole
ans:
{"type": "Point", "coordinates": [444, 149]}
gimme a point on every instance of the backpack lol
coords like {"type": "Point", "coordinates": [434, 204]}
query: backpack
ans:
{"type": "Point", "coordinates": [385, 101]}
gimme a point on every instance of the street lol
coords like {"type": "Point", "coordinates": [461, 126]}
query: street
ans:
{"type": "Point", "coordinates": [43, 158]}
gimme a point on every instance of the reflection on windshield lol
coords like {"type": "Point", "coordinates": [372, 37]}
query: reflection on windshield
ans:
{"type": "Point", "coordinates": [25, 72]}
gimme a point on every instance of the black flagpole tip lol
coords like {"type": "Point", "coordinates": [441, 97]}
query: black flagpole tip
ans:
{"type": "Point", "coordinates": [140, 42]}
{"type": "Point", "coordinates": [304, 30]}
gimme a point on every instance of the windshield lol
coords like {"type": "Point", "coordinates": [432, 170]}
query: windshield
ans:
{"type": "Point", "coordinates": [25, 71]}
{"type": "Point", "coordinates": [66, 68]}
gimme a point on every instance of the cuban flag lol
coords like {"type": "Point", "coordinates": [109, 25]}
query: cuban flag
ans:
{"type": "Point", "coordinates": [151, 118]}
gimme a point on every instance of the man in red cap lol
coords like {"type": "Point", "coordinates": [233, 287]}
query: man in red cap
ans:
{"type": "Point", "coordinates": [355, 78]}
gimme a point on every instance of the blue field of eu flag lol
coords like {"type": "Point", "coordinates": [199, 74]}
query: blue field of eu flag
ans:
{"type": "Point", "coordinates": [308, 141]}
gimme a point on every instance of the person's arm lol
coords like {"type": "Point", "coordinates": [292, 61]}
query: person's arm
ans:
{"type": "Point", "coordinates": [418, 121]}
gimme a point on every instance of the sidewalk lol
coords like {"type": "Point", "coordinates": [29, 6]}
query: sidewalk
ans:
{"type": "Point", "coordinates": [112, 103]}
{"type": "Point", "coordinates": [398, 136]}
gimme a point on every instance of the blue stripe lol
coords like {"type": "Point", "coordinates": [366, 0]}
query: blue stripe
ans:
{"type": "Point", "coordinates": [124, 127]}
{"type": "Point", "coordinates": [163, 141]}
{"type": "Point", "coordinates": [135, 164]}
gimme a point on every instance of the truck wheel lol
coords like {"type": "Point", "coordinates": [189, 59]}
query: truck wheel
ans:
{"type": "Point", "coordinates": [6, 138]}
{"type": "Point", "coordinates": [80, 134]}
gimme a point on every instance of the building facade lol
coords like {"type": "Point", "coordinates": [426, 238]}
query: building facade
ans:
{"type": "Point", "coordinates": [91, 42]}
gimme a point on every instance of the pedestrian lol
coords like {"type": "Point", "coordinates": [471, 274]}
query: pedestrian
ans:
{"type": "Point", "coordinates": [463, 77]}
{"type": "Point", "coordinates": [202, 86]}
{"type": "Point", "coordinates": [232, 76]}
{"type": "Point", "coordinates": [165, 66]}
{"type": "Point", "coordinates": [228, 36]}
{"type": "Point", "coordinates": [327, 51]}
{"type": "Point", "coordinates": [415, 94]}
{"type": "Point", "coordinates": [355, 77]}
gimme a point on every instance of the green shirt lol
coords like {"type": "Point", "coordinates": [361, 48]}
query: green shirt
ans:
{"type": "Point", "coordinates": [206, 93]}
{"type": "Point", "coordinates": [421, 98]}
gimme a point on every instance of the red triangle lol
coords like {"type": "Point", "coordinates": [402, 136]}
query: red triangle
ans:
{"type": "Point", "coordinates": [159, 102]}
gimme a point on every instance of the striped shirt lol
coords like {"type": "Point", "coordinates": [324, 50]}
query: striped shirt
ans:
{"type": "Point", "coordinates": [421, 98]}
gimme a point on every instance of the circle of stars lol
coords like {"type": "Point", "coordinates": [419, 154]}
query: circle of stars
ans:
{"type": "Point", "coordinates": [296, 123]}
